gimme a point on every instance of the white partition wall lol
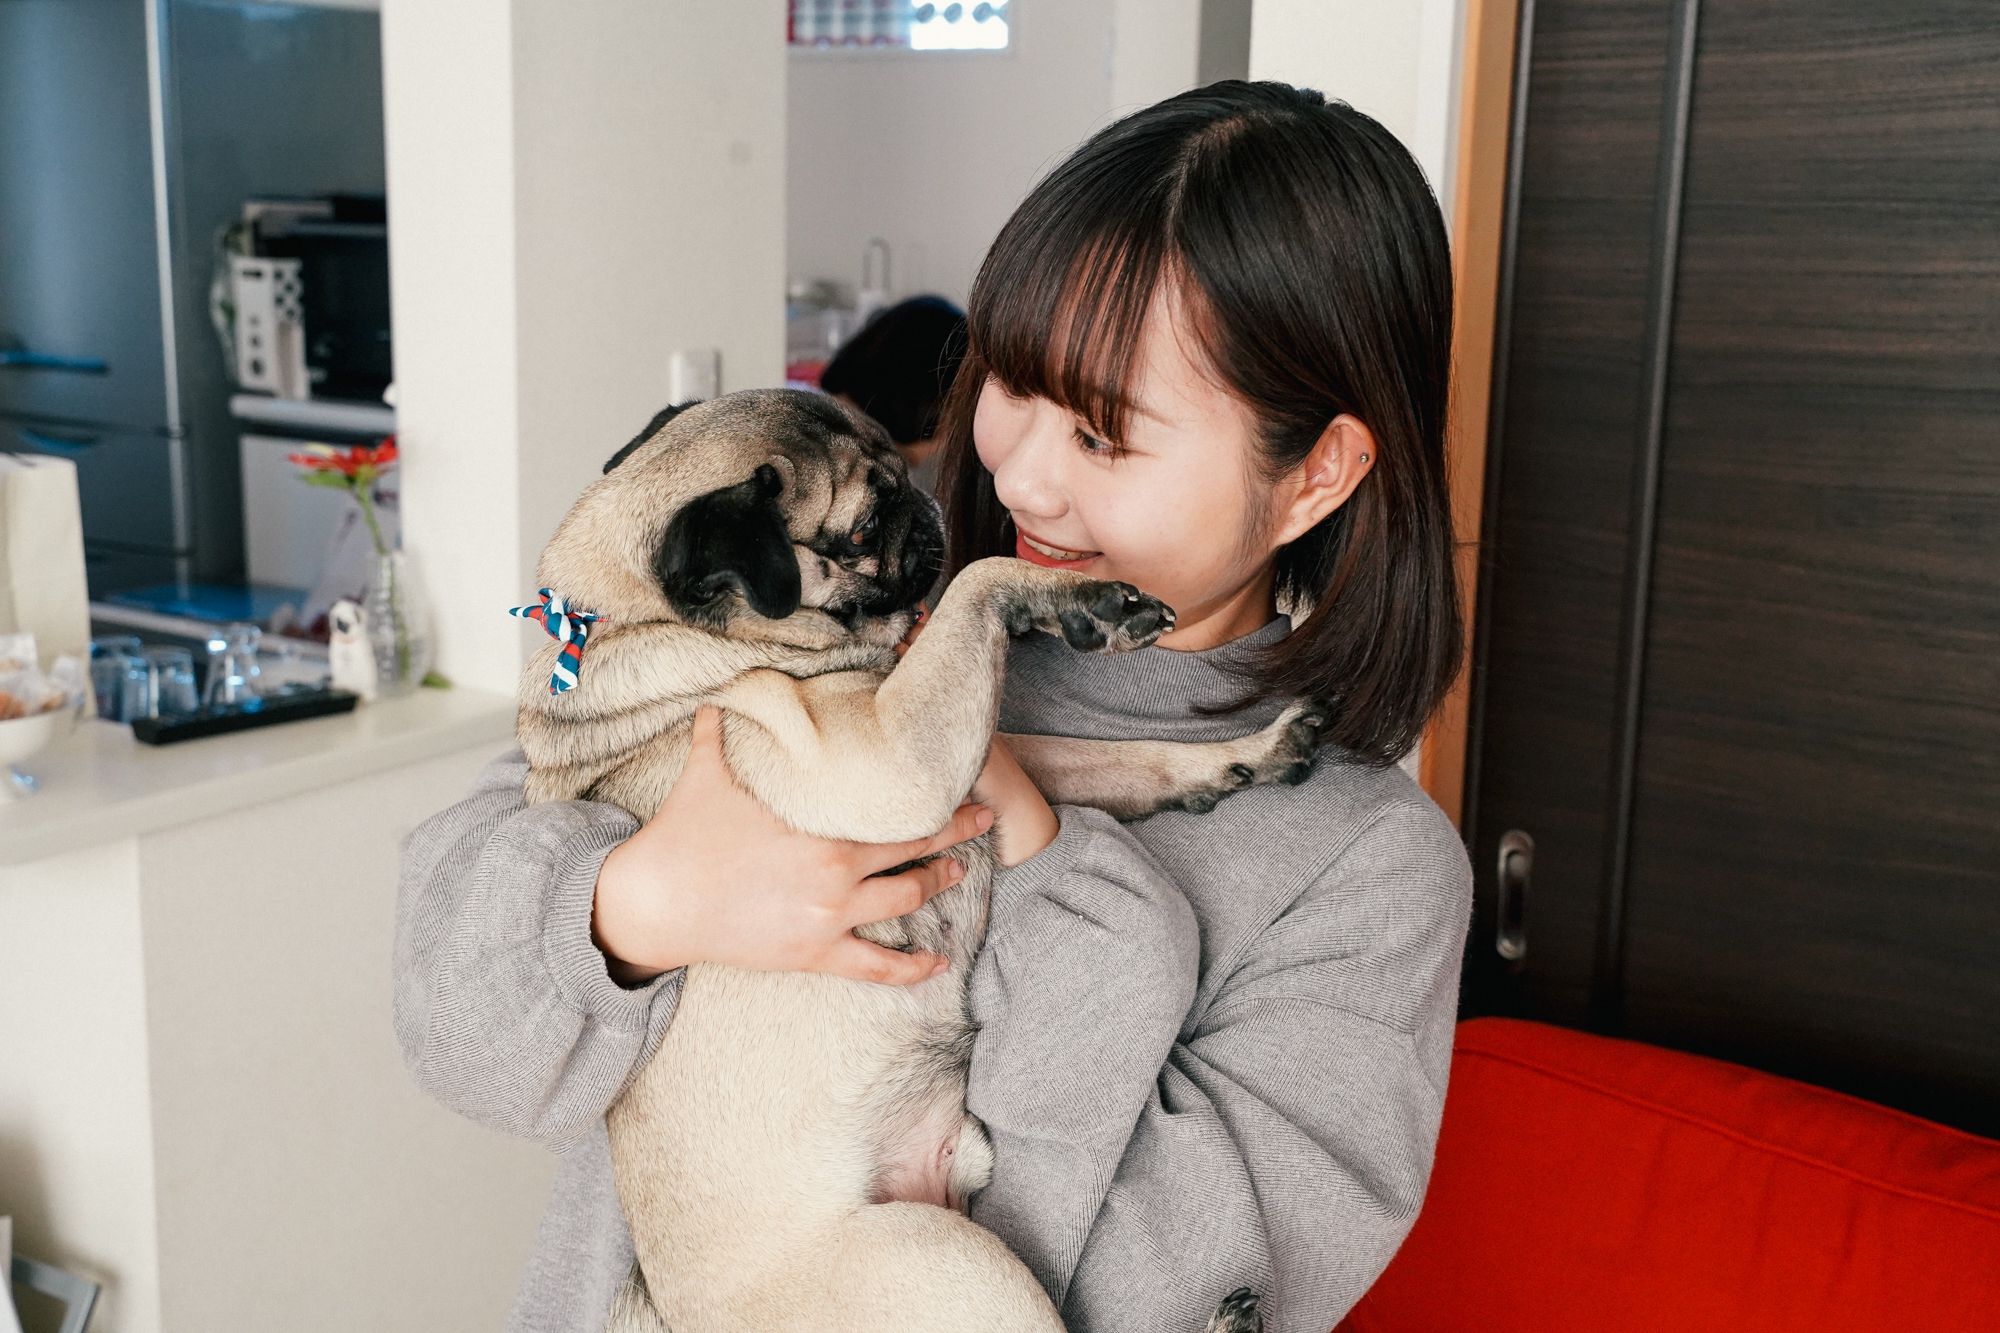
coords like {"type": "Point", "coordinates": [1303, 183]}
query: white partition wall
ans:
{"type": "Point", "coordinates": [1398, 60]}
{"type": "Point", "coordinates": [577, 188]}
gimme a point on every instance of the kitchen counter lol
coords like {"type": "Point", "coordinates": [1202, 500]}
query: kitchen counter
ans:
{"type": "Point", "coordinates": [99, 784]}
{"type": "Point", "coordinates": [202, 1104]}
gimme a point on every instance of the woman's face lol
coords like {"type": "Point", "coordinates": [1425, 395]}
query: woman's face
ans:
{"type": "Point", "coordinates": [1175, 508]}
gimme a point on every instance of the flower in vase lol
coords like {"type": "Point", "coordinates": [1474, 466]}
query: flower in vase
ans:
{"type": "Point", "coordinates": [354, 469]}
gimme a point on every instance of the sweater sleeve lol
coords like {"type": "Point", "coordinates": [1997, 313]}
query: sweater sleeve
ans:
{"type": "Point", "coordinates": [1281, 1141]}
{"type": "Point", "coordinates": [504, 1008]}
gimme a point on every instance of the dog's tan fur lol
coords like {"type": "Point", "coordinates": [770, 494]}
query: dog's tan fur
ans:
{"type": "Point", "coordinates": [751, 1151]}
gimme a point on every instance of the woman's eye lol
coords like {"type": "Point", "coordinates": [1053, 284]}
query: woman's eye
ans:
{"type": "Point", "coordinates": [1094, 446]}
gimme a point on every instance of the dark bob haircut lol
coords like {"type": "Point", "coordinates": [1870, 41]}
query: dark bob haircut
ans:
{"type": "Point", "coordinates": [898, 368]}
{"type": "Point", "coordinates": [1315, 279]}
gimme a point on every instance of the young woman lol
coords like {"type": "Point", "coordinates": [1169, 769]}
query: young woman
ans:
{"type": "Point", "coordinates": [1208, 355]}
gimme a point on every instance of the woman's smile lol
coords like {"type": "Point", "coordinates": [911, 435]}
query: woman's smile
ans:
{"type": "Point", "coordinates": [1037, 551]}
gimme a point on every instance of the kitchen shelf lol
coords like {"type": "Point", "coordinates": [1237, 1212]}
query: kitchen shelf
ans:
{"type": "Point", "coordinates": [309, 414]}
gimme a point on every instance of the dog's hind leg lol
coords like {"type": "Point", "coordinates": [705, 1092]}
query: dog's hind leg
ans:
{"type": "Point", "coordinates": [1238, 1314]}
{"type": "Point", "coordinates": [1133, 779]}
{"type": "Point", "coordinates": [895, 1266]}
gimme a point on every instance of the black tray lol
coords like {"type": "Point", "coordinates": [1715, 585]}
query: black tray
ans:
{"type": "Point", "coordinates": [290, 706]}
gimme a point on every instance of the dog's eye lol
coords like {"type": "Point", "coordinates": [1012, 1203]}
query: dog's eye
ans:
{"type": "Point", "coordinates": [864, 531]}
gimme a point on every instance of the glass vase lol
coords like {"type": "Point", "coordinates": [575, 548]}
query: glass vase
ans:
{"type": "Point", "coordinates": [399, 627]}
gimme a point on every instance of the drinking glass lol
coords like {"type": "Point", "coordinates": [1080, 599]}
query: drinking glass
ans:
{"type": "Point", "coordinates": [168, 674]}
{"type": "Point", "coordinates": [110, 658]}
{"type": "Point", "coordinates": [234, 678]}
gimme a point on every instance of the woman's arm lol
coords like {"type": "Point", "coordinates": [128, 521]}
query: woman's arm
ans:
{"type": "Point", "coordinates": [505, 1010]}
{"type": "Point", "coordinates": [540, 949]}
{"type": "Point", "coordinates": [1283, 1144]}
{"type": "Point", "coordinates": [1091, 961]}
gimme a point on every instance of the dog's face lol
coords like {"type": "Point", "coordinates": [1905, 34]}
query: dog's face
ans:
{"type": "Point", "coordinates": [771, 514]}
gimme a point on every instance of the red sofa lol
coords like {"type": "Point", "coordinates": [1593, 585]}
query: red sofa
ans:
{"type": "Point", "coordinates": [1590, 1184]}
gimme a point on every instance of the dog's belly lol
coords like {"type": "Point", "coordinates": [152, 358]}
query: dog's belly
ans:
{"type": "Point", "coordinates": [780, 1103]}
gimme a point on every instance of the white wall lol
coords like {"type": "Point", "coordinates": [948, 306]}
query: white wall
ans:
{"type": "Point", "coordinates": [932, 151]}
{"type": "Point", "coordinates": [1397, 60]}
{"type": "Point", "coordinates": [575, 191]}
{"type": "Point", "coordinates": [1156, 51]}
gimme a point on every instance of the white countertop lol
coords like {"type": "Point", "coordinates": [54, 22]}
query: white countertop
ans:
{"type": "Point", "coordinates": [99, 784]}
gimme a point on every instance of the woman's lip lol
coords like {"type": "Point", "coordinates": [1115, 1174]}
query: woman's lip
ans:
{"type": "Point", "coordinates": [1032, 556]}
{"type": "Point", "coordinates": [1040, 540]}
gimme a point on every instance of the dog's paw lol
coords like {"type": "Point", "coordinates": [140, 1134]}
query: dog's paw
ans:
{"type": "Point", "coordinates": [1238, 1314]}
{"type": "Point", "coordinates": [1281, 753]}
{"type": "Point", "coordinates": [1113, 618]}
{"type": "Point", "coordinates": [1094, 616]}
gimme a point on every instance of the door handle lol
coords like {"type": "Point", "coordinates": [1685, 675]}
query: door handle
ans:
{"type": "Point", "coordinates": [55, 444]}
{"type": "Point", "coordinates": [1510, 900]}
{"type": "Point", "coordinates": [20, 358]}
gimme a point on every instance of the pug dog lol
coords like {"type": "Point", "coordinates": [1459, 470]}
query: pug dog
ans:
{"type": "Point", "coordinates": [766, 552]}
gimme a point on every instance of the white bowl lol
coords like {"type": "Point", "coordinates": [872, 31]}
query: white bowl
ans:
{"type": "Point", "coordinates": [23, 736]}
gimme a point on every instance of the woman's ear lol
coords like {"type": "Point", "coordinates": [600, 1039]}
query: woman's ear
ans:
{"type": "Point", "coordinates": [1339, 460]}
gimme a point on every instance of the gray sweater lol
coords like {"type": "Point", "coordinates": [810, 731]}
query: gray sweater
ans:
{"type": "Point", "coordinates": [1212, 1048]}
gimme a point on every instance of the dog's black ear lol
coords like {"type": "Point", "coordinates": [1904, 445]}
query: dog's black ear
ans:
{"type": "Point", "coordinates": [660, 418]}
{"type": "Point", "coordinates": [731, 538]}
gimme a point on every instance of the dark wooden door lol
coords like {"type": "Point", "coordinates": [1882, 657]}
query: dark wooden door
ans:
{"type": "Point", "coordinates": [1739, 670]}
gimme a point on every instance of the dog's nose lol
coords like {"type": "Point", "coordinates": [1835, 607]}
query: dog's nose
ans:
{"type": "Point", "coordinates": [923, 554]}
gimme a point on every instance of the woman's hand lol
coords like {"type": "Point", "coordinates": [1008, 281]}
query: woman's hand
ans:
{"type": "Point", "coordinates": [1023, 822]}
{"type": "Point", "coordinates": [714, 877]}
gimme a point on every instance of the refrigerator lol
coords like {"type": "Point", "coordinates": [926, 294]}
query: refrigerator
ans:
{"type": "Point", "coordinates": [131, 132]}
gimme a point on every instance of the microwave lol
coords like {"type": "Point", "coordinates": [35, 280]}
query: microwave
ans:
{"type": "Point", "coordinates": [312, 299]}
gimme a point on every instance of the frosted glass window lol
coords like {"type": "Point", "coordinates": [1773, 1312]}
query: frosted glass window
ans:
{"type": "Point", "coordinates": [900, 24]}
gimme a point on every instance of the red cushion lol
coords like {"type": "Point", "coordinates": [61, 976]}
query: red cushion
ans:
{"type": "Point", "coordinates": [1590, 1184]}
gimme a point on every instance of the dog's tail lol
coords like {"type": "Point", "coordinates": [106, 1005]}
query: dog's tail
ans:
{"type": "Point", "coordinates": [1238, 1313]}
{"type": "Point", "coordinates": [632, 1311]}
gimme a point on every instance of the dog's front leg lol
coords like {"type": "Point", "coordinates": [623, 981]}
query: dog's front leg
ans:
{"type": "Point", "coordinates": [1133, 779]}
{"type": "Point", "coordinates": [949, 681]}
{"type": "Point", "coordinates": [902, 752]}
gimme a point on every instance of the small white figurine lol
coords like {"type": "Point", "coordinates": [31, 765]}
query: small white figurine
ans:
{"type": "Point", "coordinates": [349, 654]}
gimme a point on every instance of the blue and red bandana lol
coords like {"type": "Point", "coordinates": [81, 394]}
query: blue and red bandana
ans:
{"type": "Point", "coordinates": [567, 626]}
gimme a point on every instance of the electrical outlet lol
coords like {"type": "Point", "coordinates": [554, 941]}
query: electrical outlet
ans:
{"type": "Point", "coordinates": [694, 373]}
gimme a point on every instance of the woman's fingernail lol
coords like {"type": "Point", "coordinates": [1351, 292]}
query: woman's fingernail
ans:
{"type": "Point", "coordinates": [983, 820]}
{"type": "Point", "coordinates": [956, 873]}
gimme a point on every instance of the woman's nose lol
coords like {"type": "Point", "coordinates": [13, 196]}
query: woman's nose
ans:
{"type": "Point", "coordinates": [1029, 479]}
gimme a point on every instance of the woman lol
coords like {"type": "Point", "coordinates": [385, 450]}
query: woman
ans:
{"type": "Point", "coordinates": [1208, 355]}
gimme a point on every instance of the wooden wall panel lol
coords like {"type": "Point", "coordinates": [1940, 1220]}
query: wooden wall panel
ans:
{"type": "Point", "coordinates": [1816, 847]}
{"type": "Point", "coordinates": [1568, 381]}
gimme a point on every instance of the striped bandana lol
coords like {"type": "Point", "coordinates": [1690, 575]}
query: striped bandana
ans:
{"type": "Point", "coordinates": [569, 627]}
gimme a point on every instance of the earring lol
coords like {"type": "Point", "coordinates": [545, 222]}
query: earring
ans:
{"type": "Point", "coordinates": [1364, 458]}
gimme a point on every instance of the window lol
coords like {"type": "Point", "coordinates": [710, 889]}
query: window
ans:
{"type": "Point", "coordinates": [899, 24]}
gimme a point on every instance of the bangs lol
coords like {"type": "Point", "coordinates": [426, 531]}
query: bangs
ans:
{"type": "Point", "coordinates": [1064, 318]}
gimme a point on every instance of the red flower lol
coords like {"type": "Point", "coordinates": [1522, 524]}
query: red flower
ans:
{"type": "Point", "coordinates": [348, 462]}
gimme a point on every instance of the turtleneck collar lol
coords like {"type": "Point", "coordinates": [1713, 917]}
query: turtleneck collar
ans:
{"type": "Point", "coordinates": [1151, 694]}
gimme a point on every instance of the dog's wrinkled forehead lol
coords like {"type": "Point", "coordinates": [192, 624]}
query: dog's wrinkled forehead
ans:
{"type": "Point", "coordinates": [842, 462]}
{"type": "Point", "coordinates": [828, 455]}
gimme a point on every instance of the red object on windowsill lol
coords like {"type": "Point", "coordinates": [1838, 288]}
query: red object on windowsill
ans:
{"type": "Point", "coordinates": [1583, 1183]}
